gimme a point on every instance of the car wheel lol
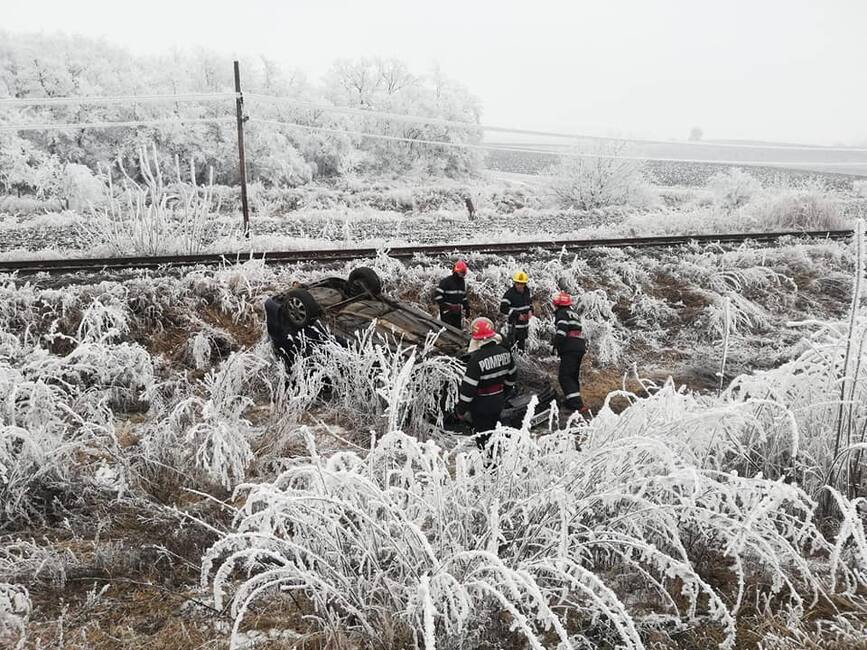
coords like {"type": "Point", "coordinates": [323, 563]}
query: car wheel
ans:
{"type": "Point", "coordinates": [363, 280]}
{"type": "Point", "coordinates": [300, 308]}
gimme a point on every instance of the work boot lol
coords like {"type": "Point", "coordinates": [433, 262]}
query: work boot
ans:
{"type": "Point", "coordinates": [569, 409]}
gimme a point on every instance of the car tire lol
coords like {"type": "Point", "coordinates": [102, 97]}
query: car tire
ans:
{"type": "Point", "coordinates": [363, 280]}
{"type": "Point", "coordinates": [300, 308]}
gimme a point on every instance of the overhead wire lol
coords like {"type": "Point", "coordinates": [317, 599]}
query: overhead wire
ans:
{"type": "Point", "coordinates": [114, 99]}
{"type": "Point", "coordinates": [531, 148]}
{"type": "Point", "coordinates": [546, 152]}
{"type": "Point", "coordinates": [402, 117]}
{"type": "Point", "coordinates": [71, 126]}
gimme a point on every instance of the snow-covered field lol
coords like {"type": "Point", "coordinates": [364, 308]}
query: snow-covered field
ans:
{"type": "Point", "coordinates": [509, 207]}
{"type": "Point", "coordinates": [163, 485]}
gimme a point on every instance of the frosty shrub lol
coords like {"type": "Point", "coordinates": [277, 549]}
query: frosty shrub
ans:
{"type": "Point", "coordinates": [15, 609]}
{"type": "Point", "coordinates": [651, 312]}
{"type": "Point", "coordinates": [55, 409]}
{"type": "Point", "coordinates": [206, 432]}
{"type": "Point", "coordinates": [148, 218]}
{"type": "Point", "coordinates": [26, 205]}
{"type": "Point", "coordinates": [263, 202]}
{"type": "Point", "coordinates": [597, 319]}
{"type": "Point", "coordinates": [414, 545]}
{"type": "Point", "coordinates": [600, 180]}
{"type": "Point", "coordinates": [733, 188]}
{"type": "Point", "coordinates": [80, 188]}
{"type": "Point", "coordinates": [199, 350]}
{"type": "Point", "coordinates": [732, 314]}
{"type": "Point", "coordinates": [860, 188]}
{"type": "Point", "coordinates": [825, 389]}
{"type": "Point", "coordinates": [408, 386]}
{"type": "Point", "coordinates": [809, 208]}
{"type": "Point", "coordinates": [55, 414]}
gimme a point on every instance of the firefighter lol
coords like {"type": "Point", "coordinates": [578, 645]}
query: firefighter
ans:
{"type": "Point", "coordinates": [518, 307]}
{"type": "Point", "coordinates": [489, 378]}
{"type": "Point", "coordinates": [451, 296]}
{"type": "Point", "coordinates": [570, 345]}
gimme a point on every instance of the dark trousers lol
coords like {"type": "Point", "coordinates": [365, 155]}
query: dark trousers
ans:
{"type": "Point", "coordinates": [521, 340]}
{"type": "Point", "coordinates": [486, 413]}
{"type": "Point", "coordinates": [452, 318]}
{"type": "Point", "coordinates": [570, 377]}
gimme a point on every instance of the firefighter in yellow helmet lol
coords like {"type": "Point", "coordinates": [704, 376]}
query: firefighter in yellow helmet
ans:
{"type": "Point", "coordinates": [517, 305]}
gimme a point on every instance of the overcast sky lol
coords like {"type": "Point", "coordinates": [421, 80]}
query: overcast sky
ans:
{"type": "Point", "coordinates": [780, 70]}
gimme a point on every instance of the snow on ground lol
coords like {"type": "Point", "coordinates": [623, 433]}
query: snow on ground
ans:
{"type": "Point", "coordinates": [686, 519]}
{"type": "Point", "coordinates": [398, 214]}
{"type": "Point", "coordinates": [164, 484]}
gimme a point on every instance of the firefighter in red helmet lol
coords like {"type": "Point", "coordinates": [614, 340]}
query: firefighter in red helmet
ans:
{"type": "Point", "coordinates": [451, 296]}
{"type": "Point", "coordinates": [489, 377]}
{"type": "Point", "coordinates": [570, 345]}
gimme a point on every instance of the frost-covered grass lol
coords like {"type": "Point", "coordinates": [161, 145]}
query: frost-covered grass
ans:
{"type": "Point", "coordinates": [413, 544]}
{"type": "Point", "coordinates": [150, 218]}
{"type": "Point", "coordinates": [133, 410]}
{"type": "Point", "coordinates": [163, 217]}
{"type": "Point", "coordinates": [15, 608]}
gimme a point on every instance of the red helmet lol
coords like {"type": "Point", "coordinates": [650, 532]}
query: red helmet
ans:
{"type": "Point", "coordinates": [482, 329]}
{"type": "Point", "coordinates": [460, 267]}
{"type": "Point", "coordinates": [562, 299]}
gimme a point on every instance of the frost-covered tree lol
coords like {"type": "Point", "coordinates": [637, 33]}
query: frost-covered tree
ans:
{"type": "Point", "coordinates": [601, 178]}
{"type": "Point", "coordinates": [387, 85]}
{"type": "Point", "coordinates": [56, 65]}
{"type": "Point", "coordinates": [733, 188]}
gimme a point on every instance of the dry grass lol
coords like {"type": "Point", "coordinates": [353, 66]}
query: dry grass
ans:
{"type": "Point", "coordinates": [147, 561]}
{"type": "Point", "coordinates": [151, 597]}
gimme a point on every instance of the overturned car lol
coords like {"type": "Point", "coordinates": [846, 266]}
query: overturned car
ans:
{"type": "Point", "coordinates": [350, 306]}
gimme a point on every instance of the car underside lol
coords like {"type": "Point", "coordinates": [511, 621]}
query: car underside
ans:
{"type": "Point", "coordinates": [350, 306]}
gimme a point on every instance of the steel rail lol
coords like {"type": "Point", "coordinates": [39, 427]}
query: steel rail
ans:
{"type": "Point", "coordinates": [60, 266]}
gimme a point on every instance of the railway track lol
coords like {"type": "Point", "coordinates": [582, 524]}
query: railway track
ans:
{"type": "Point", "coordinates": [62, 266]}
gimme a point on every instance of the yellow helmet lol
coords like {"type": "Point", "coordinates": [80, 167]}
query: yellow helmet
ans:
{"type": "Point", "coordinates": [520, 277]}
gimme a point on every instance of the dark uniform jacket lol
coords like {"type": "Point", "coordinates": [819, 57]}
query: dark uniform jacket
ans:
{"type": "Point", "coordinates": [567, 331]}
{"type": "Point", "coordinates": [490, 374]}
{"type": "Point", "coordinates": [451, 294]}
{"type": "Point", "coordinates": [518, 306]}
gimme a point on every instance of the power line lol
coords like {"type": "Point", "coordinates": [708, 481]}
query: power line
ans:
{"type": "Point", "coordinates": [546, 152]}
{"type": "Point", "coordinates": [71, 126]}
{"type": "Point", "coordinates": [521, 149]}
{"type": "Point", "coordinates": [418, 119]}
{"type": "Point", "coordinates": [399, 117]}
{"type": "Point", "coordinates": [114, 99]}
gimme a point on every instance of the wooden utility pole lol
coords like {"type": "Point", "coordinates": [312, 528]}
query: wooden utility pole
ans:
{"type": "Point", "coordinates": [239, 108]}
